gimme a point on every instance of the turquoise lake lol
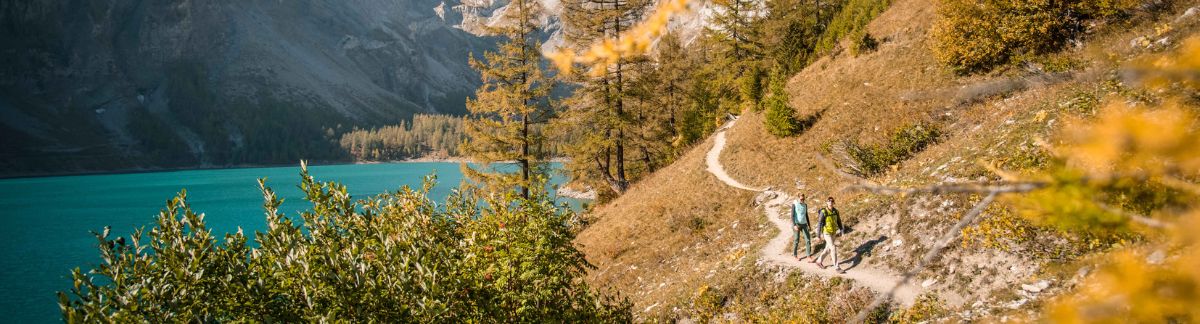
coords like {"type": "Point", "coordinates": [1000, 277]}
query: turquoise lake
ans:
{"type": "Point", "coordinates": [45, 222]}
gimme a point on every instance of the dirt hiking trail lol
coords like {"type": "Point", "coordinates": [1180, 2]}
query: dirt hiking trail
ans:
{"type": "Point", "coordinates": [777, 251]}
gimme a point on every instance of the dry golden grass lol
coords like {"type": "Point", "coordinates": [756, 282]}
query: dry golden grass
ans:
{"type": "Point", "coordinates": [985, 120]}
{"type": "Point", "coordinates": [642, 239]}
{"type": "Point", "coordinates": [660, 241]}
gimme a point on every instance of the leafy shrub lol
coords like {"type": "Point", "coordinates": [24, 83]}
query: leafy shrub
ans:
{"type": "Point", "coordinates": [780, 119]}
{"type": "Point", "coordinates": [708, 302]}
{"type": "Point", "coordinates": [972, 36]}
{"type": "Point", "coordinates": [904, 143]}
{"type": "Point", "coordinates": [926, 308]}
{"type": "Point", "coordinates": [395, 257]}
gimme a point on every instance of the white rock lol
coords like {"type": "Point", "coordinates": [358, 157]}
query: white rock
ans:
{"type": "Point", "coordinates": [440, 10]}
{"type": "Point", "coordinates": [1157, 257]}
{"type": "Point", "coordinates": [928, 282]}
{"type": "Point", "coordinates": [1137, 42]}
{"type": "Point", "coordinates": [1191, 12]}
{"type": "Point", "coordinates": [1018, 303]}
{"type": "Point", "coordinates": [1030, 288]}
{"type": "Point", "coordinates": [897, 242]}
{"type": "Point", "coordinates": [1036, 287]}
{"type": "Point", "coordinates": [1042, 284]}
{"type": "Point", "coordinates": [1165, 41]}
{"type": "Point", "coordinates": [1083, 272]}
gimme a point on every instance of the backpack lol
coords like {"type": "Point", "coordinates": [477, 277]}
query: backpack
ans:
{"type": "Point", "coordinates": [830, 219]}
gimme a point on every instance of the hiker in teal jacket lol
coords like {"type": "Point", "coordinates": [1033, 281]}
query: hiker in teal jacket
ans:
{"type": "Point", "coordinates": [830, 225]}
{"type": "Point", "coordinates": [800, 228]}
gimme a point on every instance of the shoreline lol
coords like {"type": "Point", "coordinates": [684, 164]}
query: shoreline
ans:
{"type": "Point", "coordinates": [234, 166]}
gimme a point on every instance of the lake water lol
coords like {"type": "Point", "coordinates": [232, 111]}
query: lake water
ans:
{"type": "Point", "coordinates": [45, 222]}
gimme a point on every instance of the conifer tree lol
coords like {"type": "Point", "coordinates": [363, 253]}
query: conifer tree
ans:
{"type": "Point", "coordinates": [790, 30]}
{"type": "Point", "coordinates": [671, 77]}
{"type": "Point", "coordinates": [780, 119]}
{"type": "Point", "coordinates": [736, 41]}
{"type": "Point", "coordinates": [599, 119]}
{"type": "Point", "coordinates": [733, 20]}
{"type": "Point", "coordinates": [508, 109]}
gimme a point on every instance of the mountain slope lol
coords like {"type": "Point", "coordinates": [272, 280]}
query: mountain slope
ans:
{"type": "Point", "coordinates": [673, 243]}
{"type": "Point", "coordinates": [127, 83]}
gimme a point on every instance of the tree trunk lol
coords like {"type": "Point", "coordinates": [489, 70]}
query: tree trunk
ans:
{"type": "Point", "coordinates": [622, 182]}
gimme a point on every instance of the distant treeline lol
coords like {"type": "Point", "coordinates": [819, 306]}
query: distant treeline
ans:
{"type": "Point", "coordinates": [436, 136]}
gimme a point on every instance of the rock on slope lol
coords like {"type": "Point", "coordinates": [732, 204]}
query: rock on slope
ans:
{"type": "Point", "coordinates": [130, 83]}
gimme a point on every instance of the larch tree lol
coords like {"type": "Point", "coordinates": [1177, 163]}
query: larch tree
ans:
{"type": "Point", "coordinates": [672, 65]}
{"type": "Point", "coordinates": [508, 109]}
{"type": "Point", "coordinates": [598, 121]}
{"type": "Point", "coordinates": [790, 30]}
{"type": "Point", "coordinates": [737, 53]}
{"type": "Point", "coordinates": [733, 27]}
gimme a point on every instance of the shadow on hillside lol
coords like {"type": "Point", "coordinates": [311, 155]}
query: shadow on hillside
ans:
{"type": "Point", "coordinates": [806, 123]}
{"type": "Point", "coordinates": [864, 249]}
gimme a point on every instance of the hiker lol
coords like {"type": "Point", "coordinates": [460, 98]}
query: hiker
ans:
{"type": "Point", "coordinates": [830, 225]}
{"type": "Point", "coordinates": [800, 227]}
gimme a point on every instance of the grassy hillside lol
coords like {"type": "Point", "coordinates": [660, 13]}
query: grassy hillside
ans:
{"type": "Point", "coordinates": [682, 245]}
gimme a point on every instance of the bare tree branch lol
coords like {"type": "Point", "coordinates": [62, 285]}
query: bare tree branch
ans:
{"type": "Point", "coordinates": [866, 185]}
{"type": "Point", "coordinates": [1133, 216]}
{"type": "Point", "coordinates": [1180, 184]}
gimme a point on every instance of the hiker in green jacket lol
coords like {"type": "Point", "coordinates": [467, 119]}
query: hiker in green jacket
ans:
{"type": "Point", "coordinates": [830, 225]}
{"type": "Point", "coordinates": [800, 227]}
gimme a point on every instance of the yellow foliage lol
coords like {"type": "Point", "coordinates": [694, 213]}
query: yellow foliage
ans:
{"type": "Point", "coordinates": [1002, 230]}
{"type": "Point", "coordinates": [977, 35]}
{"type": "Point", "coordinates": [1133, 289]}
{"type": "Point", "coordinates": [1157, 281]}
{"type": "Point", "coordinates": [926, 308]}
{"type": "Point", "coordinates": [1129, 141]}
{"type": "Point", "coordinates": [1180, 68]}
{"type": "Point", "coordinates": [636, 41]}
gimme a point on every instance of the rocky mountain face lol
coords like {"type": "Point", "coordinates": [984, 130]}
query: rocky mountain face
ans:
{"type": "Point", "coordinates": [128, 84]}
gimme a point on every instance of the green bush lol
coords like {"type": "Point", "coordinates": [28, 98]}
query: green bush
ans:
{"type": "Point", "coordinates": [395, 257]}
{"type": "Point", "coordinates": [904, 143]}
{"type": "Point", "coordinates": [780, 119]}
{"type": "Point", "coordinates": [927, 308]}
{"type": "Point", "coordinates": [708, 302]}
{"type": "Point", "coordinates": [974, 36]}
